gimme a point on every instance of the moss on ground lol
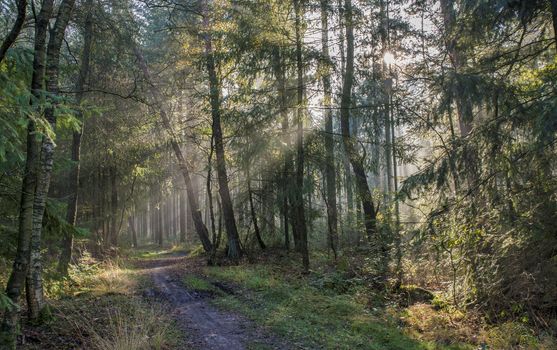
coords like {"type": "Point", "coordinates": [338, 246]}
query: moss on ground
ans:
{"type": "Point", "coordinates": [311, 316]}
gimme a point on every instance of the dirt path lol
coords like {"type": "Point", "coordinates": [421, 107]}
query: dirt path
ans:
{"type": "Point", "coordinates": [205, 326]}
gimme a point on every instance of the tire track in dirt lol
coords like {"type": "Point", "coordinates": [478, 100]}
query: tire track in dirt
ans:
{"type": "Point", "coordinates": [206, 327]}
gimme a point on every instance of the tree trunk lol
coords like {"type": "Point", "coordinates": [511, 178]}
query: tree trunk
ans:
{"type": "Point", "coordinates": [145, 223]}
{"type": "Point", "coordinates": [330, 171]}
{"type": "Point", "coordinates": [16, 28]}
{"type": "Point", "coordinates": [349, 142]}
{"type": "Point", "coordinates": [234, 249]}
{"type": "Point", "coordinates": [153, 217]}
{"type": "Point", "coordinates": [164, 220]}
{"type": "Point", "coordinates": [219, 230]}
{"type": "Point", "coordinates": [183, 214]}
{"type": "Point", "coordinates": [134, 232]}
{"type": "Point", "coordinates": [8, 330]}
{"type": "Point", "coordinates": [175, 218]}
{"type": "Point", "coordinates": [21, 262]}
{"type": "Point", "coordinates": [463, 103]}
{"type": "Point", "coordinates": [200, 227]}
{"type": "Point", "coordinates": [73, 183]}
{"type": "Point", "coordinates": [159, 221]}
{"type": "Point", "coordinates": [113, 207]}
{"type": "Point", "coordinates": [269, 208]}
{"type": "Point", "coordinates": [348, 177]}
{"type": "Point", "coordinates": [299, 204]}
{"type": "Point", "coordinates": [210, 197]}
{"type": "Point", "coordinates": [341, 38]}
{"type": "Point", "coordinates": [253, 214]}
{"type": "Point", "coordinates": [386, 112]}
{"type": "Point", "coordinates": [554, 18]}
{"type": "Point", "coordinates": [287, 166]}
{"type": "Point", "coordinates": [100, 201]}
{"type": "Point", "coordinates": [35, 295]}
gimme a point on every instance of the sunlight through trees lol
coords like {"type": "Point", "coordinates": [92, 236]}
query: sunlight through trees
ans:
{"type": "Point", "coordinates": [405, 147]}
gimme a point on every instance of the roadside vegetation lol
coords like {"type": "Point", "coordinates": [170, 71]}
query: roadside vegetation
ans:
{"type": "Point", "coordinates": [329, 309]}
{"type": "Point", "coordinates": [100, 306]}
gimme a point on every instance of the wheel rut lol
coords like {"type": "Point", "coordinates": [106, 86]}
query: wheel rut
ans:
{"type": "Point", "coordinates": [205, 326]}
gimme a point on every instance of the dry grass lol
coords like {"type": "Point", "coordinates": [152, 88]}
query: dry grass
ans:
{"type": "Point", "coordinates": [516, 335]}
{"type": "Point", "coordinates": [113, 279]}
{"type": "Point", "coordinates": [440, 326]}
{"type": "Point", "coordinates": [98, 278]}
{"type": "Point", "coordinates": [136, 328]}
{"type": "Point", "coordinates": [130, 324]}
{"type": "Point", "coordinates": [99, 308]}
{"type": "Point", "coordinates": [447, 326]}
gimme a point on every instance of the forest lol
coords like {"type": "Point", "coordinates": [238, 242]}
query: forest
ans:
{"type": "Point", "coordinates": [278, 174]}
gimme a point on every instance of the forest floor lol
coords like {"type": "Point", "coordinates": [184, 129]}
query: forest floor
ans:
{"type": "Point", "coordinates": [167, 299]}
{"type": "Point", "coordinates": [204, 325]}
{"type": "Point", "coordinates": [269, 304]}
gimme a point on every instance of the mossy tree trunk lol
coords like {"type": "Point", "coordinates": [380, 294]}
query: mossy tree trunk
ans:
{"type": "Point", "coordinates": [35, 295]}
{"type": "Point", "coordinates": [20, 268]}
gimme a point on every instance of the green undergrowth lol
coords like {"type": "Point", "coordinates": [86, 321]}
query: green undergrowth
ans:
{"type": "Point", "coordinates": [310, 315]}
{"type": "Point", "coordinates": [332, 308]}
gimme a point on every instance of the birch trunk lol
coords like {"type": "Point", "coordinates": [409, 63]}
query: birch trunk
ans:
{"type": "Point", "coordinates": [35, 296]}
{"type": "Point", "coordinates": [14, 289]}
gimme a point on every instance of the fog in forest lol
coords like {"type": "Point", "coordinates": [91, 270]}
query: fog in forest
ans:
{"type": "Point", "coordinates": [278, 174]}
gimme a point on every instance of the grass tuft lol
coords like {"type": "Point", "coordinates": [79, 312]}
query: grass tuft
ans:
{"type": "Point", "coordinates": [136, 328]}
{"type": "Point", "coordinates": [114, 279]}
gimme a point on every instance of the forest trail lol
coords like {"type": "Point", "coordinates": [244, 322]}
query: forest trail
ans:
{"type": "Point", "coordinates": [205, 326]}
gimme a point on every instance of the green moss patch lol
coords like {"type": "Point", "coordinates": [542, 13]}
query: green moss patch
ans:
{"type": "Point", "coordinates": [308, 315]}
